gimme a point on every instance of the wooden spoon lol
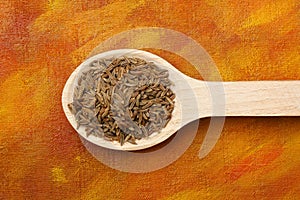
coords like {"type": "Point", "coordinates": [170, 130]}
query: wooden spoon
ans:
{"type": "Point", "coordinates": [198, 99]}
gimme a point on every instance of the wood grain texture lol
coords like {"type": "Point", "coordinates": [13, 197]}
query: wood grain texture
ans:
{"type": "Point", "coordinates": [246, 98]}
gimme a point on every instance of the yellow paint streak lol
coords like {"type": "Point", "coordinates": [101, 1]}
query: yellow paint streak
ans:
{"type": "Point", "coordinates": [268, 13]}
{"type": "Point", "coordinates": [192, 194]}
{"type": "Point", "coordinates": [58, 175]}
{"type": "Point", "coordinates": [226, 17]}
{"type": "Point", "coordinates": [216, 2]}
{"type": "Point", "coordinates": [24, 99]}
{"type": "Point", "coordinates": [212, 75]}
{"type": "Point", "coordinates": [101, 184]}
{"type": "Point", "coordinates": [109, 25]}
{"type": "Point", "coordinates": [148, 39]}
{"type": "Point", "coordinates": [289, 62]}
{"type": "Point", "coordinates": [56, 4]}
{"type": "Point", "coordinates": [78, 158]}
{"type": "Point", "coordinates": [84, 21]}
{"type": "Point", "coordinates": [84, 29]}
{"type": "Point", "coordinates": [244, 60]}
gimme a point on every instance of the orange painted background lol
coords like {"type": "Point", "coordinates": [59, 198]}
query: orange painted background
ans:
{"type": "Point", "coordinates": [43, 41]}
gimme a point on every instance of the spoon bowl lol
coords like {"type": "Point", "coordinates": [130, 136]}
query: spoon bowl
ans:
{"type": "Point", "coordinates": [179, 88]}
{"type": "Point", "coordinates": [194, 99]}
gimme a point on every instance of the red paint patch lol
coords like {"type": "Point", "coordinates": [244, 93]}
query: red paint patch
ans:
{"type": "Point", "coordinates": [253, 162]}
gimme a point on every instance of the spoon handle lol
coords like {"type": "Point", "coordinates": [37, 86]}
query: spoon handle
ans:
{"type": "Point", "coordinates": [247, 98]}
{"type": "Point", "coordinates": [262, 98]}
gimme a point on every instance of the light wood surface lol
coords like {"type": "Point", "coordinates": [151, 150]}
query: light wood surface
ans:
{"type": "Point", "coordinates": [246, 98]}
{"type": "Point", "coordinates": [198, 99]}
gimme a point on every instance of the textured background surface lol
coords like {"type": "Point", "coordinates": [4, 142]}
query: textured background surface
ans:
{"type": "Point", "coordinates": [42, 42]}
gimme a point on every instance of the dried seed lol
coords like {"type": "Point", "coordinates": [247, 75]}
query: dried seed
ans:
{"type": "Point", "coordinates": [132, 99]}
{"type": "Point", "coordinates": [122, 139]}
{"type": "Point", "coordinates": [99, 97]}
{"type": "Point", "coordinates": [163, 93]}
{"type": "Point", "coordinates": [145, 116]}
{"type": "Point", "coordinates": [135, 112]}
{"type": "Point", "coordinates": [87, 111]}
{"type": "Point", "coordinates": [105, 113]}
{"type": "Point", "coordinates": [134, 95]}
{"type": "Point", "coordinates": [130, 84]}
{"type": "Point", "coordinates": [140, 117]}
{"type": "Point", "coordinates": [162, 87]}
{"type": "Point", "coordinates": [172, 96]}
{"type": "Point", "coordinates": [158, 94]}
{"type": "Point", "coordinates": [97, 89]}
{"type": "Point", "coordinates": [131, 105]}
{"type": "Point", "coordinates": [150, 103]}
{"type": "Point", "coordinates": [169, 100]}
{"type": "Point", "coordinates": [132, 140]}
{"type": "Point", "coordinates": [127, 137]}
{"type": "Point", "coordinates": [163, 75]}
{"type": "Point", "coordinates": [137, 102]}
{"type": "Point", "coordinates": [118, 132]}
{"type": "Point", "coordinates": [72, 108]}
{"type": "Point", "coordinates": [143, 102]}
{"type": "Point", "coordinates": [143, 88]}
